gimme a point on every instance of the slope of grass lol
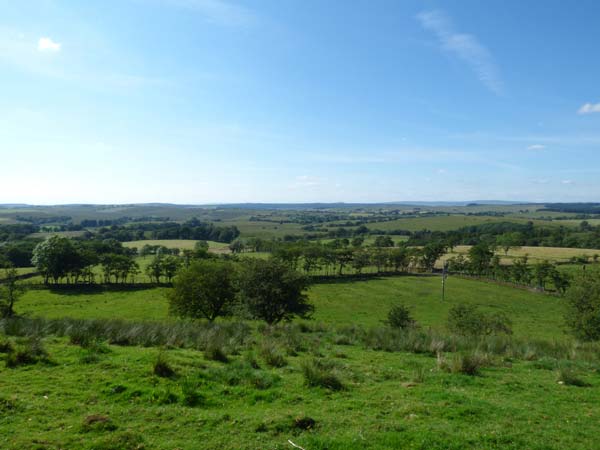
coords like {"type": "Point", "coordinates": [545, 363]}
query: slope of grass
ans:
{"type": "Point", "coordinates": [114, 401]}
{"type": "Point", "coordinates": [368, 302]}
{"type": "Point", "coordinates": [342, 302]}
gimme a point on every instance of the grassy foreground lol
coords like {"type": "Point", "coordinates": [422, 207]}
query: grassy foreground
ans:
{"type": "Point", "coordinates": [111, 399]}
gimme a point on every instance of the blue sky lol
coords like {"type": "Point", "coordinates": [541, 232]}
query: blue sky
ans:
{"type": "Point", "coordinates": [207, 101]}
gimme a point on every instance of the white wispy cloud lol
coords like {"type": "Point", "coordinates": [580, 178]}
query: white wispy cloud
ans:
{"type": "Point", "coordinates": [45, 44]}
{"type": "Point", "coordinates": [567, 182]}
{"type": "Point", "coordinates": [215, 11]}
{"type": "Point", "coordinates": [465, 46]}
{"type": "Point", "coordinates": [589, 108]}
{"type": "Point", "coordinates": [536, 147]}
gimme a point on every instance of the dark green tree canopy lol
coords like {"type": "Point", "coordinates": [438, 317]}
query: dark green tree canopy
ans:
{"type": "Point", "coordinates": [272, 291]}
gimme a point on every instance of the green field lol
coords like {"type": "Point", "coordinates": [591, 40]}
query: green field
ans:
{"type": "Point", "coordinates": [182, 244]}
{"type": "Point", "coordinates": [342, 302]}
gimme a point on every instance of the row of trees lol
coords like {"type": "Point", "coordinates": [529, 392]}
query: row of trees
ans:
{"type": "Point", "coordinates": [60, 258]}
{"type": "Point", "coordinates": [510, 234]}
{"type": "Point", "coordinates": [483, 262]}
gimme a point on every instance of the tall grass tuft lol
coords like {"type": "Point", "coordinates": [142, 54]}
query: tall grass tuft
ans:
{"type": "Point", "coordinates": [468, 363]}
{"type": "Point", "coordinates": [272, 354]}
{"type": "Point", "coordinates": [321, 373]}
{"type": "Point", "coordinates": [161, 367]}
{"type": "Point", "coordinates": [568, 377]}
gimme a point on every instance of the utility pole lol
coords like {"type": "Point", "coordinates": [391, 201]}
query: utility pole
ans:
{"type": "Point", "coordinates": [444, 276]}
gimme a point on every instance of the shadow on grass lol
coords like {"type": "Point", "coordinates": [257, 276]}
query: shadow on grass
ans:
{"type": "Point", "coordinates": [90, 289]}
{"type": "Point", "coordinates": [351, 278]}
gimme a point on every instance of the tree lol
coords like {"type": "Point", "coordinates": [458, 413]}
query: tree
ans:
{"type": "Point", "coordinates": [205, 289]}
{"type": "Point", "coordinates": [272, 291]}
{"type": "Point", "coordinates": [431, 253]}
{"type": "Point", "coordinates": [237, 246]}
{"type": "Point", "coordinates": [170, 265]}
{"type": "Point", "coordinates": [583, 308]}
{"type": "Point", "coordinates": [55, 258]}
{"type": "Point", "coordinates": [361, 260]}
{"type": "Point", "coordinates": [10, 292]}
{"type": "Point", "coordinates": [541, 272]}
{"type": "Point", "coordinates": [383, 241]}
{"type": "Point", "coordinates": [480, 257]}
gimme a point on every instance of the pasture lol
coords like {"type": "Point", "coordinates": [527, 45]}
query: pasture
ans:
{"type": "Point", "coordinates": [340, 302]}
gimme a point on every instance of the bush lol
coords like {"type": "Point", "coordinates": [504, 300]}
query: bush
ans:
{"type": "Point", "coordinates": [583, 308]}
{"type": "Point", "coordinates": [467, 320]}
{"type": "Point", "coordinates": [321, 373]}
{"type": "Point", "coordinates": [399, 317]}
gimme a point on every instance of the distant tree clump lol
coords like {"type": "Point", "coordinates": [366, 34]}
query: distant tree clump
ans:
{"type": "Point", "coordinates": [273, 291]}
{"type": "Point", "coordinates": [583, 308]}
{"type": "Point", "coordinates": [205, 289]}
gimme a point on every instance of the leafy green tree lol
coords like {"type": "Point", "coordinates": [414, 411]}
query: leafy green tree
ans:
{"type": "Point", "coordinates": [237, 246]}
{"type": "Point", "coordinates": [170, 266]}
{"type": "Point", "coordinates": [361, 260]}
{"type": "Point", "coordinates": [272, 291]}
{"type": "Point", "coordinates": [480, 257]}
{"type": "Point", "coordinates": [205, 289]}
{"type": "Point", "coordinates": [55, 258]}
{"type": "Point", "coordinates": [383, 241]}
{"type": "Point", "coordinates": [431, 253]}
{"type": "Point", "coordinates": [10, 292]}
{"type": "Point", "coordinates": [541, 273]}
{"type": "Point", "coordinates": [583, 308]}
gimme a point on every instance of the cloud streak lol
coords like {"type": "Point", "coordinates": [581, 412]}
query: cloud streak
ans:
{"type": "Point", "coordinates": [589, 108]}
{"type": "Point", "coordinates": [465, 47]}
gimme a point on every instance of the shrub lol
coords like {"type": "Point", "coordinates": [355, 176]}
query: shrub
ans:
{"type": "Point", "coordinates": [321, 373]}
{"type": "Point", "coordinates": [161, 367]}
{"type": "Point", "coordinates": [399, 317]}
{"type": "Point", "coordinates": [467, 320]}
{"type": "Point", "coordinates": [272, 354]}
{"type": "Point", "coordinates": [583, 308]}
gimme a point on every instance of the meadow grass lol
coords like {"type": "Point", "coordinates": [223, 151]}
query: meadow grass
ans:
{"type": "Point", "coordinates": [363, 302]}
{"type": "Point", "coordinates": [116, 401]}
{"type": "Point", "coordinates": [182, 244]}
